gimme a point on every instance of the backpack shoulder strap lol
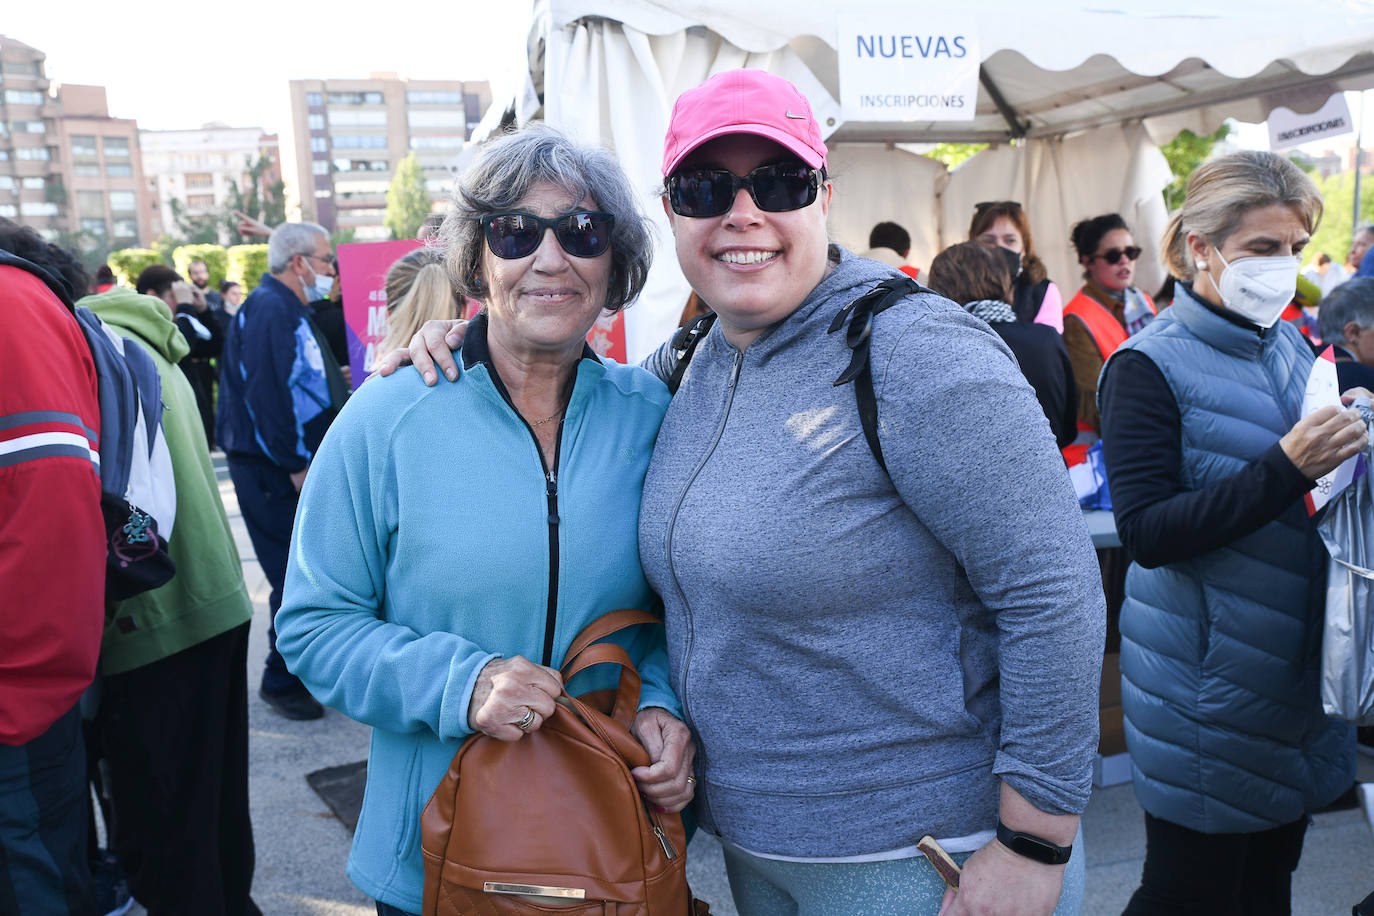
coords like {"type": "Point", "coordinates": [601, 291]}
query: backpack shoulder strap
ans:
{"type": "Point", "coordinates": [685, 343]}
{"type": "Point", "coordinates": [859, 316]}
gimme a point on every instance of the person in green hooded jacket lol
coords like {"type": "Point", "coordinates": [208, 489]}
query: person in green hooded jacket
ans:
{"type": "Point", "coordinates": [173, 717]}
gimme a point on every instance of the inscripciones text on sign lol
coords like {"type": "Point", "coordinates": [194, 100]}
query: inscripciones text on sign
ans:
{"type": "Point", "coordinates": [892, 72]}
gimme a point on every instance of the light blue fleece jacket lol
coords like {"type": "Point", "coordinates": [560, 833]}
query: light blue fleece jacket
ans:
{"type": "Point", "coordinates": [421, 552]}
{"type": "Point", "coordinates": [863, 655]}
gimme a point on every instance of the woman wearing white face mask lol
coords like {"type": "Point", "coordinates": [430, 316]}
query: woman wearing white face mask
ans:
{"type": "Point", "coordinates": [1220, 632]}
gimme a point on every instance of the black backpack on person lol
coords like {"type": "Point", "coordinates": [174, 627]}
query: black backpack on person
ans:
{"type": "Point", "coordinates": [859, 317]}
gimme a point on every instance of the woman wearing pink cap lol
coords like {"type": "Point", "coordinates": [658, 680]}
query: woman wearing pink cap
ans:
{"type": "Point", "coordinates": [866, 654]}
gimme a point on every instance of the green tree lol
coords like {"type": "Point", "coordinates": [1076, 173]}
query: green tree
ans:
{"type": "Point", "coordinates": [1184, 153]}
{"type": "Point", "coordinates": [343, 237]}
{"type": "Point", "coordinates": [407, 199]}
{"type": "Point", "coordinates": [195, 229]}
{"type": "Point", "coordinates": [256, 196]}
{"type": "Point", "coordinates": [954, 154]}
{"type": "Point", "coordinates": [1338, 215]}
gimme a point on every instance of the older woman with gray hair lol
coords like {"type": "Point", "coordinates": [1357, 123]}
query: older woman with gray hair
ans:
{"type": "Point", "coordinates": [453, 540]}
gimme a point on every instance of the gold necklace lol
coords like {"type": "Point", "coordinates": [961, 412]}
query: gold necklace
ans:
{"type": "Point", "coordinates": [538, 423]}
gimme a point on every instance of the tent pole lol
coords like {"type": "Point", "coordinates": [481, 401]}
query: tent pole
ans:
{"type": "Point", "coordinates": [1359, 156]}
{"type": "Point", "coordinates": [1018, 129]}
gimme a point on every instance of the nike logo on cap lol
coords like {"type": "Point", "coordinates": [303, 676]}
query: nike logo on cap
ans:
{"type": "Point", "coordinates": [800, 117]}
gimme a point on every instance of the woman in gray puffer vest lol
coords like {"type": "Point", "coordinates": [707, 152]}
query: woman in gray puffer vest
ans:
{"type": "Point", "coordinates": [1209, 460]}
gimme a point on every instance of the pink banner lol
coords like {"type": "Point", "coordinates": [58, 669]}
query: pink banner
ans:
{"type": "Point", "coordinates": [362, 282]}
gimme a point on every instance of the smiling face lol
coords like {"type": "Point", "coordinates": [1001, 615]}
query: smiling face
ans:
{"type": "Point", "coordinates": [1276, 230]}
{"type": "Point", "coordinates": [1002, 234]}
{"type": "Point", "coordinates": [1116, 276]}
{"type": "Point", "coordinates": [753, 267]}
{"type": "Point", "coordinates": [546, 302]}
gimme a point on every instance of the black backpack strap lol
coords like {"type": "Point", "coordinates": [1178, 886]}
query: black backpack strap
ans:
{"type": "Point", "coordinates": [685, 344]}
{"type": "Point", "coordinates": [859, 315]}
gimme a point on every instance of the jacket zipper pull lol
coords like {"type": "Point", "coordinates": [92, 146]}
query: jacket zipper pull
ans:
{"type": "Point", "coordinates": [551, 489]}
{"type": "Point", "coordinates": [734, 371]}
{"type": "Point", "coordinates": [663, 841]}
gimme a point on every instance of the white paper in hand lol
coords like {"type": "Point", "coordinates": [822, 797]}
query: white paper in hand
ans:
{"type": "Point", "coordinates": [1324, 389]}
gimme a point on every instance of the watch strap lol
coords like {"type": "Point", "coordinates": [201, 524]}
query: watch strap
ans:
{"type": "Point", "coordinates": [1032, 847]}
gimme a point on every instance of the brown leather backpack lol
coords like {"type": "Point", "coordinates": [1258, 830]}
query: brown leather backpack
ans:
{"type": "Point", "coordinates": [554, 823]}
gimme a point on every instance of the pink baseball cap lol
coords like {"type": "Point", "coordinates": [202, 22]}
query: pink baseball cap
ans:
{"type": "Point", "coordinates": [743, 102]}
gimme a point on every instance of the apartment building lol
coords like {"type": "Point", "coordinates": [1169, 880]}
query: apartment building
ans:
{"type": "Point", "coordinates": [347, 137]}
{"type": "Point", "coordinates": [198, 168]}
{"type": "Point", "coordinates": [65, 164]}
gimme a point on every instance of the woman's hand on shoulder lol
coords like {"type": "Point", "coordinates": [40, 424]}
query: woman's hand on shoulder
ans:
{"type": "Point", "coordinates": [507, 692]}
{"type": "Point", "coordinates": [433, 344]}
{"type": "Point", "coordinates": [998, 882]}
{"type": "Point", "coordinates": [667, 782]}
{"type": "Point", "coordinates": [1319, 442]}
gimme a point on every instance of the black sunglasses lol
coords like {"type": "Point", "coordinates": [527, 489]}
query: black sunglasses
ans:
{"type": "Point", "coordinates": [775, 188]}
{"type": "Point", "coordinates": [1114, 255]}
{"type": "Point", "coordinates": [515, 234]}
{"type": "Point", "coordinates": [1004, 204]}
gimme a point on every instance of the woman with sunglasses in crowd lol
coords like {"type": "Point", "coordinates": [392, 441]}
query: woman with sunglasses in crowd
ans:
{"type": "Point", "coordinates": [452, 541]}
{"type": "Point", "coordinates": [1108, 309]}
{"type": "Point", "coordinates": [1005, 224]}
{"type": "Point", "coordinates": [1210, 458]}
{"type": "Point", "coordinates": [865, 655]}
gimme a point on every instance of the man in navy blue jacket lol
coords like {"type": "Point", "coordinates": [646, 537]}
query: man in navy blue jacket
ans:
{"type": "Point", "coordinates": [280, 387]}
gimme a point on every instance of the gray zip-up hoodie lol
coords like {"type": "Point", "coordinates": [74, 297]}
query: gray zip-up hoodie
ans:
{"type": "Point", "coordinates": [860, 655]}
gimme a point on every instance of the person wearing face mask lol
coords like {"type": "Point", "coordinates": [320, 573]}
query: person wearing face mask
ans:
{"type": "Point", "coordinates": [279, 389]}
{"type": "Point", "coordinates": [1108, 309]}
{"type": "Point", "coordinates": [1005, 224]}
{"type": "Point", "coordinates": [1209, 459]}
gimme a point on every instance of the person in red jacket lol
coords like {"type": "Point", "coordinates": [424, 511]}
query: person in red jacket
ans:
{"type": "Point", "coordinates": [52, 577]}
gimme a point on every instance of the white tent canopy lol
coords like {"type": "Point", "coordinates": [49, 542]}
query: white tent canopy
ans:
{"type": "Point", "coordinates": [1087, 90]}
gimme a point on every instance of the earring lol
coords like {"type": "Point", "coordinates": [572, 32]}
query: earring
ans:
{"type": "Point", "coordinates": [1201, 265]}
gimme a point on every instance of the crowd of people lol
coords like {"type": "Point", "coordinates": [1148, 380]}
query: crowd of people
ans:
{"type": "Point", "coordinates": [884, 616]}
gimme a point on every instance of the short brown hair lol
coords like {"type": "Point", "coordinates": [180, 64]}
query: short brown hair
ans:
{"type": "Point", "coordinates": [968, 272]}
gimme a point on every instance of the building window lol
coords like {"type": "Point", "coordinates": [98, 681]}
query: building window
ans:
{"type": "Point", "coordinates": [86, 169]}
{"type": "Point", "coordinates": [313, 100]}
{"type": "Point", "coordinates": [314, 122]}
{"type": "Point", "coordinates": [123, 201]}
{"type": "Point", "coordinates": [6, 183]}
{"type": "Point", "coordinates": [319, 145]}
{"type": "Point", "coordinates": [360, 165]}
{"type": "Point", "coordinates": [357, 141]}
{"type": "Point", "coordinates": [442, 141]}
{"type": "Point", "coordinates": [320, 166]}
{"type": "Point", "coordinates": [90, 203]}
{"type": "Point", "coordinates": [199, 180]}
{"type": "Point", "coordinates": [355, 98]}
{"type": "Point", "coordinates": [33, 153]}
{"type": "Point", "coordinates": [83, 147]}
{"type": "Point", "coordinates": [357, 118]}
{"type": "Point", "coordinates": [23, 97]}
{"type": "Point", "coordinates": [433, 97]}
{"type": "Point", "coordinates": [451, 118]}
{"type": "Point", "coordinates": [362, 187]}
{"type": "Point", "coordinates": [200, 201]}
{"type": "Point", "coordinates": [118, 170]}
{"type": "Point", "coordinates": [116, 147]}
{"type": "Point", "coordinates": [125, 228]}
{"type": "Point", "coordinates": [24, 68]}
{"type": "Point", "coordinates": [9, 210]}
{"type": "Point", "coordinates": [29, 127]}
{"type": "Point", "coordinates": [4, 155]}
{"type": "Point", "coordinates": [38, 208]}
{"type": "Point", "coordinates": [34, 184]}
{"type": "Point", "coordinates": [96, 226]}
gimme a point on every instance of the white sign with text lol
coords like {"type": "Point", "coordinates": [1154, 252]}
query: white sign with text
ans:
{"type": "Point", "coordinates": [1289, 129]}
{"type": "Point", "coordinates": [921, 69]}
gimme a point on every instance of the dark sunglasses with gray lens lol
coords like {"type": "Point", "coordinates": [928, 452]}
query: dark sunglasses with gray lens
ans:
{"type": "Point", "coordinates": [774, 188]}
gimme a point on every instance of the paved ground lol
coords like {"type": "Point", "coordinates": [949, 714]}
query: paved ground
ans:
{"type": "Point", "coordinates": [302, 847]}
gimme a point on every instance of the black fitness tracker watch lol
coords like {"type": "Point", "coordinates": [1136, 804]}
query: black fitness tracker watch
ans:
{"type": "Point", "coordinates": [1032, 847]}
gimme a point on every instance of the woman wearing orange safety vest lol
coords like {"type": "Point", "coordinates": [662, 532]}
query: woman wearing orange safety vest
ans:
{"type": "Point", "coordinates": [1107, 310]}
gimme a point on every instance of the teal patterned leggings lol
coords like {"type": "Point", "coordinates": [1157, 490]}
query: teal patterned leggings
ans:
{"type": "Point", "coordinates": [901, 887]}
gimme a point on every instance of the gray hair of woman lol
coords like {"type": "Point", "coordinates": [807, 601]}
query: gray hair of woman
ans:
{"type": "Point", "coordinates": [1222, 191]}
{"type": "Point", "coordinates": [508, 169]}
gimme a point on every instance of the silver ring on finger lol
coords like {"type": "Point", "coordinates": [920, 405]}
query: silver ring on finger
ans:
{"type": "Point", "coordinates": [525, 723]}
